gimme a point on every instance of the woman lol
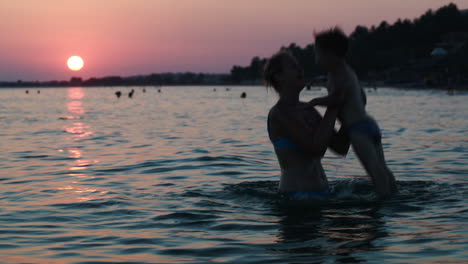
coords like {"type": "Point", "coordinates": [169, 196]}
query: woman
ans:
{"type": "Point", "coordinates": [299, 134]}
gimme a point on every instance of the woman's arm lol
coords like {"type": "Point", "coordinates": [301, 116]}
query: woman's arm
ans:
{"type": "Point", "coordinates": [335, 97]}
{"type": "Point", "coordinates": [314, 141]}
{"type": "Point", "coordinates": [325, 130]}
{"type": "Point", "coordinates": [340, 142]}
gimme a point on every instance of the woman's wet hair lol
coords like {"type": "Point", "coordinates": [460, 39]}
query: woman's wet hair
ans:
{"type": "Point", "coordinates": [274, 66]}
{"type": "Point", "coordinates": [333, 40]}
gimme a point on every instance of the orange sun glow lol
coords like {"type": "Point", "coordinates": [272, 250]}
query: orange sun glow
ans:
{"type": "Point", "coordinates": [75, 63]}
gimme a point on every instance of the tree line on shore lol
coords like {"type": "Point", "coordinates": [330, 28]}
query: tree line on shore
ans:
{"type": "Point", "coordinates": [402, 52]}
{"type": "Point", "coordinates": [155, 79]}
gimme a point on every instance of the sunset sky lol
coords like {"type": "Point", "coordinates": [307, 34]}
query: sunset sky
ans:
{"type": "Point", "coordinates": [131, 37]}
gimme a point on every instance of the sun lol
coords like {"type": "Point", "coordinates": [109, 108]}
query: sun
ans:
{"type": "Point", "coordinates": [75, 63]}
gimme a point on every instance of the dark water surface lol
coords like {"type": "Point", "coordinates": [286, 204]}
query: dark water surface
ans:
{"type": "Point", "coordinates": [188, 176]}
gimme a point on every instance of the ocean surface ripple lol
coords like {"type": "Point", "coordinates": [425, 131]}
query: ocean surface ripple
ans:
{"type": "Point", "coordinates": [188, 176]}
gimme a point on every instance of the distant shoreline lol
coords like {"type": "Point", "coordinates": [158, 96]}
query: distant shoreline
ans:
{"type": "Point", "coordinates": [314, 87]}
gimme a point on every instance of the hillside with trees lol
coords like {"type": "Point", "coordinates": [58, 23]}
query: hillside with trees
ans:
{"type": "Point", "coordinates": [420, 52]}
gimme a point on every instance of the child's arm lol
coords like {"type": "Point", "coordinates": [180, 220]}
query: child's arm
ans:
{"type": "Point", "coordinates": [334, 98]}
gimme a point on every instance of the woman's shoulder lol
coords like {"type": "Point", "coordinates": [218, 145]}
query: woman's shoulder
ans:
{"type": "Point", "coordinates": [275, 112]}
{"type": "Point", "coordinates": [280, 109]}
{"type": "Point", "coordinates": [281, 112]}
{"type": "Point", "coordinates": [280, 116]}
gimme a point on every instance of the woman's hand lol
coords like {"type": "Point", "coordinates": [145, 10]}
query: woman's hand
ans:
{"type": "Point", "coordinates": [312, 102]}
{"type": "Point", "coordinates": [340, 142]}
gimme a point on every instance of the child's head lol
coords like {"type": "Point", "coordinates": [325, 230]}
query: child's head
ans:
{"type": "Point", "coordinates": [330, 47]}
{"type": "Point", "coordinates": [283, 70]}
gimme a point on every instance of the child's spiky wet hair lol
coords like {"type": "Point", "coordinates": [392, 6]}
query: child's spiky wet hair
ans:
{"type": "Point", "coordinates": [333, 40]}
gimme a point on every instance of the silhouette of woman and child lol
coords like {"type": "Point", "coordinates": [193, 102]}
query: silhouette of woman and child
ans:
{"type": "Point", "coordinates": [300, 135]}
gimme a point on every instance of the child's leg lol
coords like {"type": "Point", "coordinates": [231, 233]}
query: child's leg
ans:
{"type": "Point", "coordinates": [381, 156]}
{"type": "Point", "coordinates": [369, 152]}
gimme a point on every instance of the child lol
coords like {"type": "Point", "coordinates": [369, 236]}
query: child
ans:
{"type": "Point", "coordinates": [345, 91]}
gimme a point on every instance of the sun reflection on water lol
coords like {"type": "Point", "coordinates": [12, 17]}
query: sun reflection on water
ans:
{"type": "Point", "coordinates": [80, 164]}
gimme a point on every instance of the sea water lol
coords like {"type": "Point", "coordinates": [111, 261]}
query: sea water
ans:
{"type": "Point", "coordinates": [188, 175]}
